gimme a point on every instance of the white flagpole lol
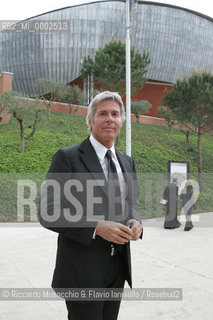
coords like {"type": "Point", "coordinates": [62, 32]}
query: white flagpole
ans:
{"type": "Point", "coordinates": [128, 82]}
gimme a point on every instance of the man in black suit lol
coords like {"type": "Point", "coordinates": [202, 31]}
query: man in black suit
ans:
{"type": "Point", "coordinates": [95, 227]}
{"type": "Point", "coordinates": [171, 195]}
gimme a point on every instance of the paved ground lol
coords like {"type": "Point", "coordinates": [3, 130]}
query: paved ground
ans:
{"type": "Point", "coordinates": [163, 259]}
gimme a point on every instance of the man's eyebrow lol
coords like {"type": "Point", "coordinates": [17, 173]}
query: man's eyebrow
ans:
{"type": "Point", "coordinates": [99, 111]}
{"type": "Point", "coordinates": [105, 110]}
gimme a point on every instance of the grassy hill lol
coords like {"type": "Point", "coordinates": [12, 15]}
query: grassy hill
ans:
{"type": "Point", "coordinates": [152, 147]}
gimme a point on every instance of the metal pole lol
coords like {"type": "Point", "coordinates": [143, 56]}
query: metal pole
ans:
{"type": "Point", "coordinates": [92, 85]}
{"type": "Point", "coordinates": [88, 89]}
{"type": "Point", "coordinates": [128, 82]}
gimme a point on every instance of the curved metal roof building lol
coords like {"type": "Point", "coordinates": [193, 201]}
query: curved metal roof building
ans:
{"type": "Point", "coordinates": [178, 40]}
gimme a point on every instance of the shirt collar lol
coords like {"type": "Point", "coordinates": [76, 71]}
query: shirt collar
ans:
{"type": "Point", "coordinates": [100, 149]}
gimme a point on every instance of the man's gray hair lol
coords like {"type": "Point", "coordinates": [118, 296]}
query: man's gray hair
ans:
{"type": "Point", "coordinates": [105, 95]}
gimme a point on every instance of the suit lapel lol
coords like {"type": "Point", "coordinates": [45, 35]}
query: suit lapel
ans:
{"type": "Point", "coordinates": [92, 163]}
{"type": "Point", "coordinates": [125, 166]}
{"type": "Point", "coordinates": [89, 157]}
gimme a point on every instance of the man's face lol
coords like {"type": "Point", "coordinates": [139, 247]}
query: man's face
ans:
{"type": "Point", "coordinates": [107, 122]}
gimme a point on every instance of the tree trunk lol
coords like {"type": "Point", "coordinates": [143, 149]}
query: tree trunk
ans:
{"type": "Point", "coordinates": [70, 109]}
{"type": "Point", "coordinates": [21, 149]}
{"type": "Point", "coordinates": [138, 118]}
{"type": "Point", "coordinates": [200, 179]}
{"type": "Point", "coordinates": [76, 109]}
{"type": "Point", "coordinates": [49, 108]}
{"type": "Point", "coordinates": [187, 136]}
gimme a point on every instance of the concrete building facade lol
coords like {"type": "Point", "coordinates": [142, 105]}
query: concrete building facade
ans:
{"type": "Point", "coordinates": [178, 40]}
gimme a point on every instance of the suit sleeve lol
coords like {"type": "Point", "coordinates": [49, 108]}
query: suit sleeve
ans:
{"type": "Point", "coordinates": [51, 204]}
{"type": "Point", "coordinates": [135, 210]}
{"type": "Point", "coordinates": [166, 193]}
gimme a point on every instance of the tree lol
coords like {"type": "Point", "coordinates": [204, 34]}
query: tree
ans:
{"type": "Point", "coordinates": [139, 107]}
{"type": "Point", "coordinates": [167, 114]}
{"type": "Point", "coordinates": [109, 67]}
{"type": "Point", "coordinates": [72, 95]}
{"type": "Point", "coordinates": [186, 132]}
{"type": "Point", "coordinates": [48, 91]}
{"type": "Point", "coordinates": [191, 101]}
{"type": "Point", "coordinates": [28, 112]}
{"type": "Point", "coordinates": [169, 117]}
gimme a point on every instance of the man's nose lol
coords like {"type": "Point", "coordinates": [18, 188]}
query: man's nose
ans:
{"type": "Point", "coordinates": [109, 117]}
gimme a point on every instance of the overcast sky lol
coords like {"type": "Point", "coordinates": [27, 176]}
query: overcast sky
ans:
{"type": "Point", "coordinates": [22, 9]}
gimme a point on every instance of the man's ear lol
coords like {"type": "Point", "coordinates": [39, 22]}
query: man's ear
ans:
{"type": "Point", "coordinates": [121, 123]}
{"type": "Point", "coordinates": [90, 124]}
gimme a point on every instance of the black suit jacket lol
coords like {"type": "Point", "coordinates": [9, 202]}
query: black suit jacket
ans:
{"type": "Point", "coordinates": [171, 194]}
{"type": "Point", "coordinates": [82, 261]}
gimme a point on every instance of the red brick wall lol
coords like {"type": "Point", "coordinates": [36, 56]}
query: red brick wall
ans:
{"type": "Point", "coordinates": [77, 82]}
{"type": "Point", "coordinates": [5, 117]}
{"type": "Point", "coordinates": [63, 107]}
{"type": "Point", "coordinates": [153, 92]}
{"type": "Point", "coordinates": [6, 79]}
